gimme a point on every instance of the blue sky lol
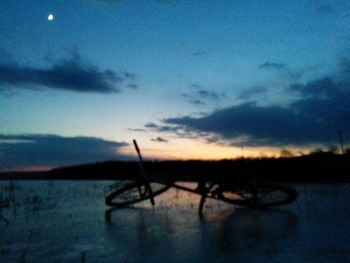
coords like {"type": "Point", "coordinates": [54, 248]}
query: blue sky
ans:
{"type": "Point", "coordinates": [187, 79]}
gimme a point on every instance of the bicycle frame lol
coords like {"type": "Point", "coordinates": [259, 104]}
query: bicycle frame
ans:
{"type": "Point", "coordinates": [251, 194]}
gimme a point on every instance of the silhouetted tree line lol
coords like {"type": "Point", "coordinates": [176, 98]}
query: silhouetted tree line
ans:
{"type": "Point", "coordinates": [318, 167]}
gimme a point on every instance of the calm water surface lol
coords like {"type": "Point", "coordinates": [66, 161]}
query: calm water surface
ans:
{"type": "Point", "coordinates": [67, 221]}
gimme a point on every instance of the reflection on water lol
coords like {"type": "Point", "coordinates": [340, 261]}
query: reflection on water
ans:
{"type": "Point", "coordinates": [68, 222]}
{"type": "Point", "coordinates": [175, 232]}
{"type": "Point", "coordinates": [165, 233]}
{"type": "Point", "coordinates": [248, 228]}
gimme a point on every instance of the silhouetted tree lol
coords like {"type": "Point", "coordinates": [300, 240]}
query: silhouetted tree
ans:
{"type": "Point", "coordinates": [286, 153]}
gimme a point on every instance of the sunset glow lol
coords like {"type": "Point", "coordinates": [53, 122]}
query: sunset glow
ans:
{"type": "Point", "coordinates": [206, 80]}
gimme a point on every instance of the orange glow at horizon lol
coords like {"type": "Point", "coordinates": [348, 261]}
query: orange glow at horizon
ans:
{"type": "Point", "coordinates": [186, 149]}
{"type": "Point", "coordinates": [35, 168]}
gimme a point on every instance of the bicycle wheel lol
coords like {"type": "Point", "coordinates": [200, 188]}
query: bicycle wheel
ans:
{"type": "Point", "coordinates": [259, 196]}
{"type": "Point", "coordinates": [132, 193]}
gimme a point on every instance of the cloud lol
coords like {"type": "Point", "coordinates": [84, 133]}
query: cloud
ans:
{"type": "Point", "coordinates": [326, 101]}
{"type": "Point", "coordinates": [151, 125]}
{"type": "Point", "coordinates": [137, 130]}
{"type": "Point", "coordinates": [129, 75]}
{"type": "Point", "coordinates": [74, 74]}
{"type": "Point", "coordinates": [248, 93]}
{"type": "Point", "coordinates": [159, 139]}
{"type": "Point", "coordinates": [200, 53]}
{"type": "Point", "coordinates": [283, 69]}
{"type": "Point", "coordinates": [17, 151]}
{"type": "Point", "coordinates": [272, 65]}
{"type": "Point", "coordinates": [321, 107]}
{"type": "Point", "coordinates": [197, 102]}
{"type": "Point", "coordinates": [246, 124]}
{"type": "Point", "coordinates": [196, 86]}
{"type": "Point", "coordinates": [159, 128]}
{"type": "Point", "coordinates": [200, 95]}
{"type": "Point", "coordinates": [323, 88]}
{"type": "Point", "coordinates": [132, 86]}
{"type": "Point", "coordinates": [209, 94]}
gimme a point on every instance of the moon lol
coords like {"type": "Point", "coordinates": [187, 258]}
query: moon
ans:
{"type": "Point", "coordinates": [50, 17]}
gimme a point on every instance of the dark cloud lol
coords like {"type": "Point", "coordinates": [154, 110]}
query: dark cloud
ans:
{"type": "Point", "coordinates": [17, 151]}
{"type": "Point", "coordinates": [322, 88]}
{"type": "Point", "coordinates": [259, 125]}
{"type": "Point", "coordinates": [326, 101]}
{"type": "Point", "coordinates": [272, 65]}
{"type": "Point", "coordinates": [159, 139]}
{"type": "Point", "coordinates": [73, 74]}
{"type": "Point", "coordinates": [321, 109]}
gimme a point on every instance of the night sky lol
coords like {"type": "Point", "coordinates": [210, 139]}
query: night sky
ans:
{"type": "Point", "coordinates": [187, 79]}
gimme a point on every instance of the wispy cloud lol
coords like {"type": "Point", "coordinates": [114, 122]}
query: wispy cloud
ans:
{"type": "Point", "coordinates": [73, 73]}
{"type": "Point", "coordinates": [199, 53]}
{"type": "Point", "coordinates": [18, 151]}
{"type": "Point", "coordinates": [196, 86]}
{"type": "Point", "coordinates": [209, 94]}
{"type": "Point", "coordinates": [320, 108]}
{"type": "Point", "coordinates": [128, 75]}
{"type": "Point", "coordinates": [272, 65]}
{"type": "Point", "coordinates": [151, 125]}
{"type": "Point", "coordinates": [197, 102]}
{"type": "Point", "coordinates": [159, 128]}
{"type": "Point", "coordinates": [159, 139]}
{"type": "Point", "coordinates": [132, 86]}
{"type": "Point", "coordinates": [250, 92]}
{"type": "Point", "coordinates": [283, 69]}
{"type": "Point", "coordinates": [200, 96]}
{"type": "Point", "coordinates": [137, 130]}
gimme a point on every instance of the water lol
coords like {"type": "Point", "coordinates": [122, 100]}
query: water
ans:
{"type": "Point", "coordinates": [67, 221]}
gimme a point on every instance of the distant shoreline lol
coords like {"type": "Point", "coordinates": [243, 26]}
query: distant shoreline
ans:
{"type": "Point", "coordinates": [316, 168]}
{"type": "Point", "coordinates": [34, 175]}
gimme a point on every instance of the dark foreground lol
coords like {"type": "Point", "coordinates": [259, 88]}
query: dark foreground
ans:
{"type": "Point", "coordinates": [67, 221]}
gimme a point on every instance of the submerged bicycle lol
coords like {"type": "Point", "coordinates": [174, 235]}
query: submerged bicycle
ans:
{"type": "Point", "coordinates": [248, 194]}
